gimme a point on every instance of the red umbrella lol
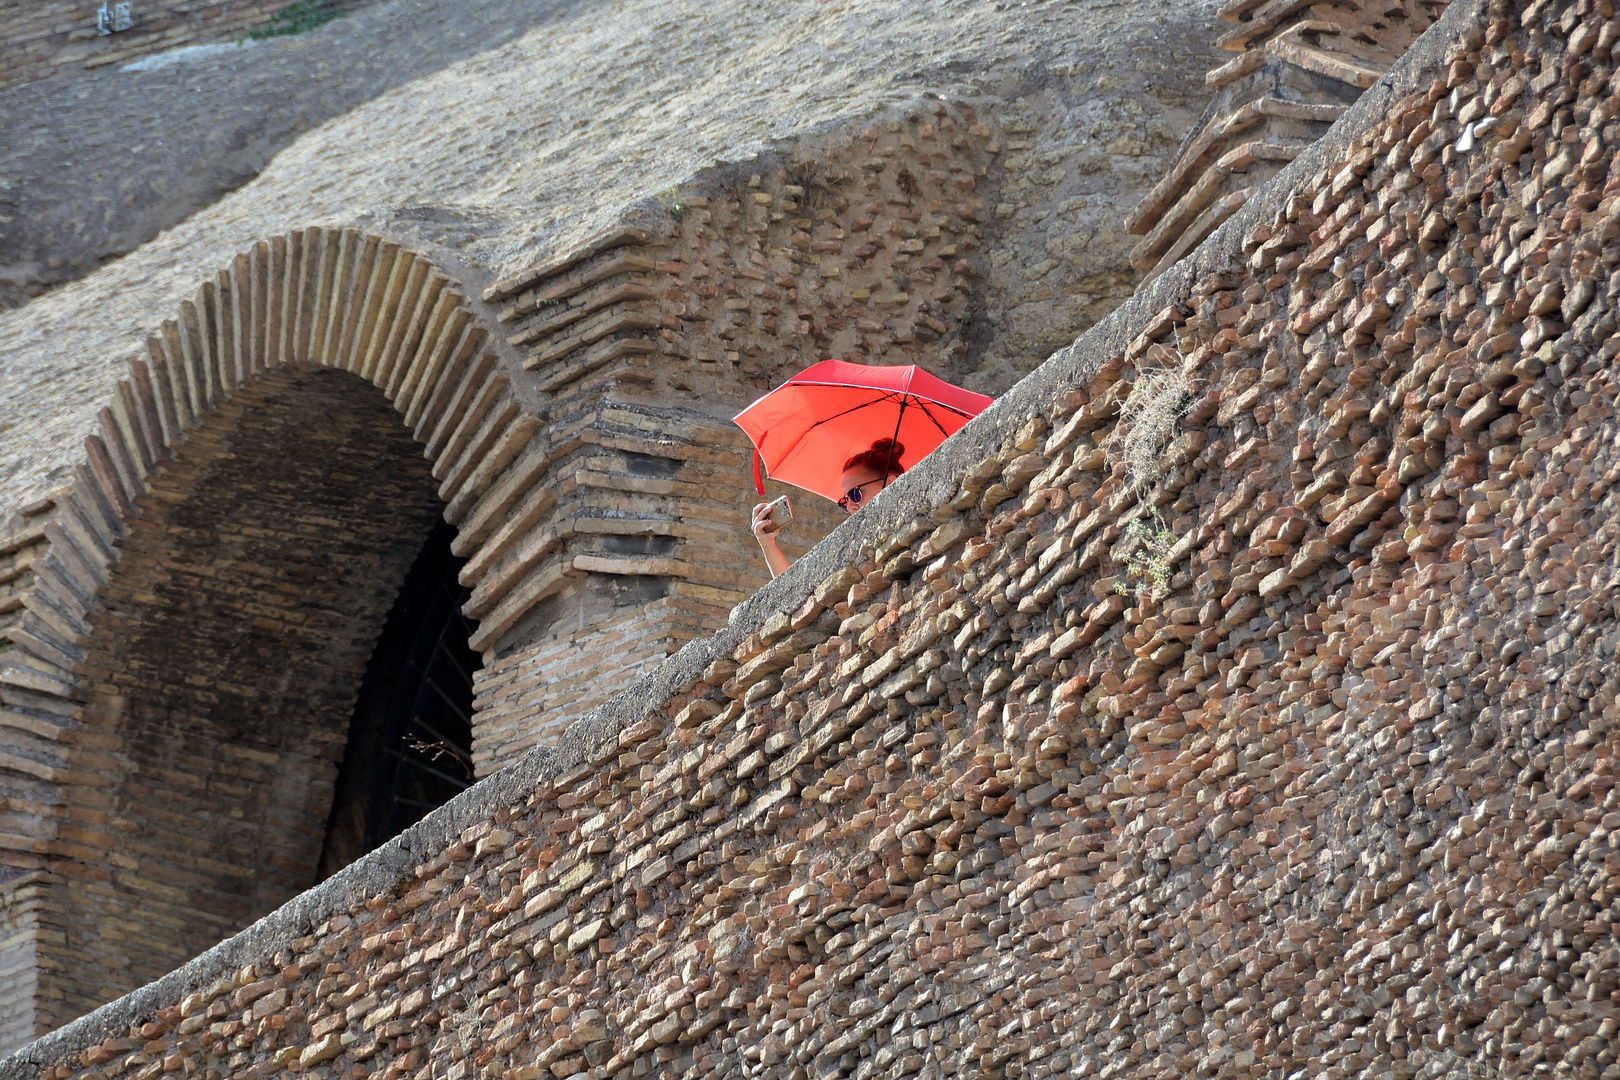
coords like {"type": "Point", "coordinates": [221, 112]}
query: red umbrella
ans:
{"type": "Point", "coordinates": [809, 426]}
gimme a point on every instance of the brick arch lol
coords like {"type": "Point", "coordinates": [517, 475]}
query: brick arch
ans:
{"type": "Point", "coordinates": [245, 501]}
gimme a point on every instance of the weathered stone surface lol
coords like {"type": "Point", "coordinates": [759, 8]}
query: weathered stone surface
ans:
{"type": "Point", "coordinates": [59, 39]}
{"type": "Point", "coordinates": [1358, 823]}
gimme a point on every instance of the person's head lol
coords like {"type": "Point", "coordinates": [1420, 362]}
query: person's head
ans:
{"type": "Point", "coordinates": [869, 472]}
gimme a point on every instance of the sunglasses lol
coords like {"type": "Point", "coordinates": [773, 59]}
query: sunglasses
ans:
{"type": "Point", "coordinates": [852, 497]}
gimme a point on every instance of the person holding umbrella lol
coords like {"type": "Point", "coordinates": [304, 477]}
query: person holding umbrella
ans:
{"type": "Point", "coordinates": [864, 475]}
{"type": "Point", "coordinates": [828, 414]}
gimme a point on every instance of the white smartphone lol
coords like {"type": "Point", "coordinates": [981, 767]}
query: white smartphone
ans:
{"type": "Point", "coordinates": [780, 512]}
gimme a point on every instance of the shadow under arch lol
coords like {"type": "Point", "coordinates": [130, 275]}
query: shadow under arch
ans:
{"type": "Point", "coordinates": [211, 586]}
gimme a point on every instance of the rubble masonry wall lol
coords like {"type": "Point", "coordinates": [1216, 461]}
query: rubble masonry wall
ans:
{"type": "Point", "coordinates": [942, 799]}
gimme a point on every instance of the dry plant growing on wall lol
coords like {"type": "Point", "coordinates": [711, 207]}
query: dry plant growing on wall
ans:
{"type": "Point", "coordinates": [1157, 400]}
{"type": "Point", "coordinates": [1160, 396]}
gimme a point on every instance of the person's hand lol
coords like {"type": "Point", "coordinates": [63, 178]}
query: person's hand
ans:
{"type": "Point", "coordinates": [765, 531]}
{"type": "Point", "coordinates": [763, 527]}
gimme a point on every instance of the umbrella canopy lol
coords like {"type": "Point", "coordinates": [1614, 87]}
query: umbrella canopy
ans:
{"type": "Point", "coordinates": [809, 426]}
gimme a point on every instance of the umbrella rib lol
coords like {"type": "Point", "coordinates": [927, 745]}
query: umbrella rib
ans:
{"type": "Point", "coordinates": [923, 405]}
{"type": "Point", "coordinates": [919, 398]}
{"type": "Point", "coordinates": [827, 420]}
{"type": "Point", "coordinates": [888, 394]}
{"type": "Point", "coordinates": [894, 458]}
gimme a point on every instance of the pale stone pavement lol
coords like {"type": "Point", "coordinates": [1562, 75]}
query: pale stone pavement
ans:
{"type": "Point", "coordinates": [94, 166]}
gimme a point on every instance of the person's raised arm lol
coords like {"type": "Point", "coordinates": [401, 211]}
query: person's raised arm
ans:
{"type": "Point", "coordinates": [765, 531]}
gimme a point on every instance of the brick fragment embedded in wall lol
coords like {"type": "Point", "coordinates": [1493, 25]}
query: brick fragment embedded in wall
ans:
{"type": "Point", "coordinates": [1338, 797]}
{"type": "Point", "coordinates": [43, 39]}
{"type": "Point", "coordinates": [19, 549]}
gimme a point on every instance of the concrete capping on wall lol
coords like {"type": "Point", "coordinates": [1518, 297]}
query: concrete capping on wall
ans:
{"type": "Point", "coordinates": [915, 495]}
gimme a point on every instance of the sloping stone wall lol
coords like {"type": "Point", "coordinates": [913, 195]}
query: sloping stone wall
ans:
{"type": "Point", "coordinates": [1337, 798]}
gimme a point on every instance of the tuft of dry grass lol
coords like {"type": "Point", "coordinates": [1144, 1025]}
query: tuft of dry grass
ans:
{"type": "Point", "coordinates": [1159, 398]}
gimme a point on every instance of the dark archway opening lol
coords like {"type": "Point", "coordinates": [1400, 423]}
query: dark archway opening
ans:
{"type": "Point", "coordinates": [410, 738]}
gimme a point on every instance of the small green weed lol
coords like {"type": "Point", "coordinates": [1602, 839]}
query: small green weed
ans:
{"type": "Point", "coordinates": [670, 197]}
{"type": "Point", "coordinates": [1147, 564]}
{"type": "Point", "coordinates": [296, 19]}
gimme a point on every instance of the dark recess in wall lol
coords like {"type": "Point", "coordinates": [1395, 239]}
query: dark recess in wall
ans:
{"type": "Point", "coordinates": [410, 739]}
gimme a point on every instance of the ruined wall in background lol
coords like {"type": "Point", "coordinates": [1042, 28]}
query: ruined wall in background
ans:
{"type": "Point", "coordinates": [178, 677]}
{"type": "Point", "coordinates": [1298, 66]}
{"type": "Point", "coordinates": [908, 238]}
{"type": "Point", "coordinates": [1338, 797]}
{"type": "Point", "coordinates": [859, 246]}
{"type": "Point", "coordinates": [43, 39]}
{"type": "Point", "coordinates": [1080, 146]}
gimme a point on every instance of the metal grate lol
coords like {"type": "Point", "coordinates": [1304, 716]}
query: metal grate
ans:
{"type": "Point", "coordinates": [410, 736]}
{"type": "Point", "coordinates": [427, 748]}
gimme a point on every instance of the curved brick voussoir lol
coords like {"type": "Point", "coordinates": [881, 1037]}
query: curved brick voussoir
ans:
{"type": "Point", "coordinates": [321, 297]}
{"type": "Point", "coordinates": [1323, 784]}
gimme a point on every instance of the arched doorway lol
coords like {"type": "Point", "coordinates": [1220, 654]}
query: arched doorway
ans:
{"type": "Point", "coordinates": [226, 660]}
{"type": "Point", "coordinates": [207, 593]}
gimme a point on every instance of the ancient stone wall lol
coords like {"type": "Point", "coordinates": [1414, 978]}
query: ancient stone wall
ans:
{"type": "Point", "coordinates": [599, 490]}
{"type": "Point", "coordinates": [23, 542]}
{"type": "Point", "coordinates": [42, 39]}
{"type": "Point", "coordinates": [990, 782]}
